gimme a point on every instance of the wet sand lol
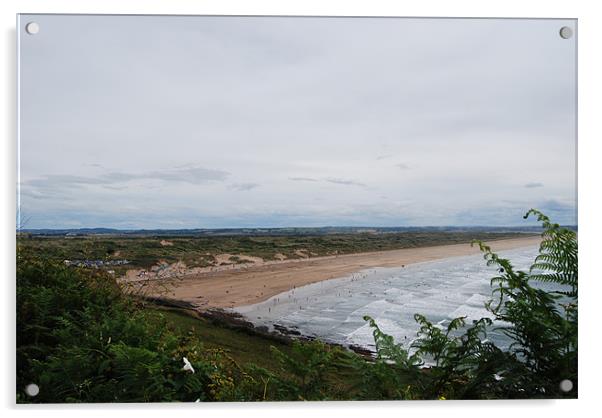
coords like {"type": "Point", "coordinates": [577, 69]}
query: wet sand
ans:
{"type": "Point", "coordinates": [245, 286]}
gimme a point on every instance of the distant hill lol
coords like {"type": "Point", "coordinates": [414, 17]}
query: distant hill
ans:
{"type": "Point", "coordinates": [328, 230]}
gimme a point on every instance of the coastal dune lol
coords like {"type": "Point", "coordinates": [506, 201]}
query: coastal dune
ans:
{"type": "Point", "coordinates": [234, 288]}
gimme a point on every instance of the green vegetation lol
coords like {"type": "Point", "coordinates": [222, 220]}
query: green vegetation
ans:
{"type": "Point", "coordinates": [244, 347]}
{"type": "Point", "coordinates": [143, 251]}
{"type": "Point", "coordinates": [82, 340]}
{"type": "Point", "coordinates": [541, 324]}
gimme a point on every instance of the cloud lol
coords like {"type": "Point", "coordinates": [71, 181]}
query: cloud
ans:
{"type": "Point", "coordinates": [333, 180]}
{"type": "Point", "coordinates": [510, 212]}
{"type": "Point", "coordinates": [265, 107]}
{"type": "Point", "coordinates": [34, 194]}
{"type": "Point", "coordinates": [553, 205]}
{"type": "Point", "coordinates": [191, 175]}
{"type": "Point", "coordinates": [344, 182]}
{"type": "Point", "coordinates": [243, 187]}
{"type": "Point", "coordinates": [382, 157]}
{"type": "Point", "coordinates": [302, 179]}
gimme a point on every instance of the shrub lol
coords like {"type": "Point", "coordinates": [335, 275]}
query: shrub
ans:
{"type": "Point", "coordinates": [80, 340]}
{"type": "Point", "coordinates": [542, 325]}
{"type": "Point", "coordinates": [305, 371]}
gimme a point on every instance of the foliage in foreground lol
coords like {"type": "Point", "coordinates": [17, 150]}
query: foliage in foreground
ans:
{"type": "Point", "coordinates": [81, 340]}
{"type": "Point", "coordinates": [538, 313]}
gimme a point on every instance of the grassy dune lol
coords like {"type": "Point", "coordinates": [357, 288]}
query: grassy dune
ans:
{"type": "Point", "coordinates": [146, 251]}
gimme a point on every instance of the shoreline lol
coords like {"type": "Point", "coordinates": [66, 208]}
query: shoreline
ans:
{"type": "Point", "coordinates": [333, 310]}
{"type": "Point", "coordinates": [251, 285]}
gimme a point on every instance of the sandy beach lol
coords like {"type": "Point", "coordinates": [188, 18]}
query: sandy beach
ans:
{"type": "Point", "coordinates": [253, 284]}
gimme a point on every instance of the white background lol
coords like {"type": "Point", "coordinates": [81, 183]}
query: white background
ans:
{"type": "Point", "coordinates": [590, 28]}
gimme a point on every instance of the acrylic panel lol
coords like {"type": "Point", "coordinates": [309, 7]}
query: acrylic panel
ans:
{"type": "Point", "coordinates": [268, 208]}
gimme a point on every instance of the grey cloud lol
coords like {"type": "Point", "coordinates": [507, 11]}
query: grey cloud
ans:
{"type": "Point", "coordinates": [227, 95]}
{"type": "Point", "coordinates": [243, 187]}
{"type": "Point", "coordinates": [344, 182]}
{"type": "Point", "coordinates": [382, 157]}
{"type": "Point", "coordinates": [333, 180]}
{"type": "Point", "coordinates": [32, 193]}
{"type": "Point", "coordinates": [302, 179]}
{"type": "Point", "coordinates": [533, 185]}
{"type": "Point", "coordinates": [402, 166]}
{"type": "Point", "coordinates": [196, 175]}
{"type": "Point", "coordinates": [511, 213]}
{"type": "Point", "coordinates": [193, 175]}
{"type": "Point", "coordinates": [556, 206]}
{"type": "Point", "coordinates": [106, 186]}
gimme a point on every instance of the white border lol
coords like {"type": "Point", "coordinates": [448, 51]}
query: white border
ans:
{"type": "Point", "coordinates": [590, 93]}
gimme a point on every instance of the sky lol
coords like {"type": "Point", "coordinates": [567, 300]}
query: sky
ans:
{"type": "Point", "coordinates": [227, 122]}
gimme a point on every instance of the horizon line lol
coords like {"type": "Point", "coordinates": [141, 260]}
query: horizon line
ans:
{"type": "Point", "coordinates": [281, 227]}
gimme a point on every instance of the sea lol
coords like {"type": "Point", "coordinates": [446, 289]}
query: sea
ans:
{"type": "Point", "coordinates": [333, 310]}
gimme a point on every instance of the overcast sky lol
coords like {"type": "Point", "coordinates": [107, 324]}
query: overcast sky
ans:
{"type": "Point", "coordinates": [202, 122]}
